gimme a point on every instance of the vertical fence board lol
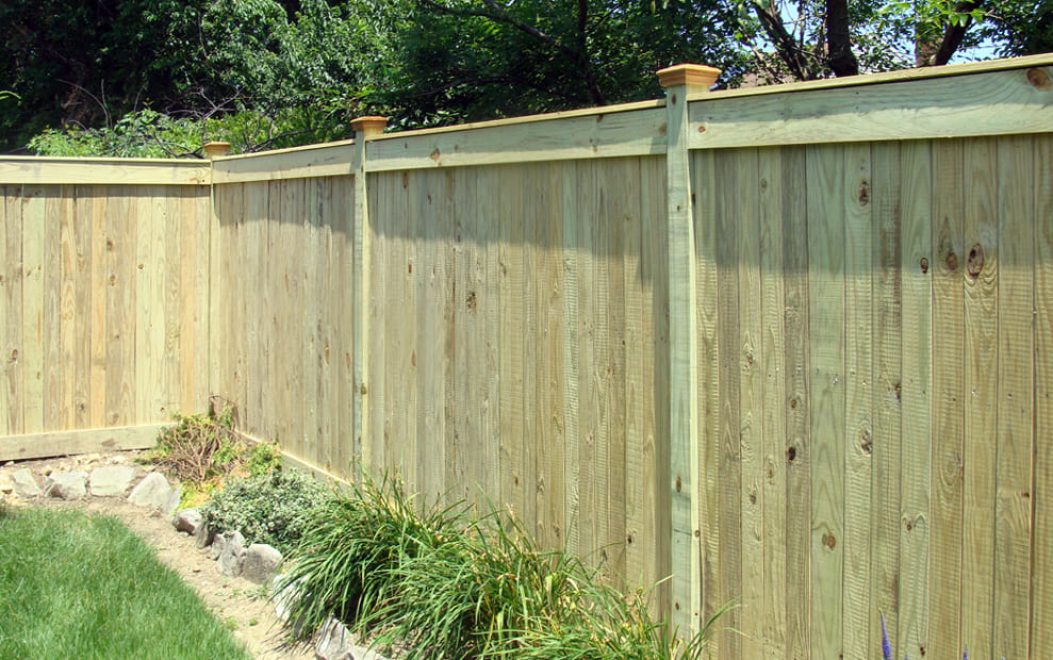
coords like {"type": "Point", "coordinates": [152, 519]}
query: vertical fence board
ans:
{"type": "Point", "coordinates": [915, 396]}
{"type": "Point", "coordinates": [1016, 363]}
{"type": "Point", "coordinates": [750, 358]}
{"type": "Point", "coordinates": [859, 296]}
{"type": "Point", "coordinates": [826, 247]}
{"type": "Point", "coordinates": [948, 399]}
{"type": "Point", "coordinates": [981, 387]}
{"type": "Point", "coordinates": [729, 478]}
{"type": "Point", "coordinates": [623, 185]}
{"type": "Point", "coordinates": [707, 491]}
{"type": "Point", "coordinates": [58, 204]}
{"type": "Point", "coordinates": [1042, 494]}
{"type": "Point", "coordinates": [32, 354]}
{"type": "Point", "coordinates": [887, 321]}
{"type": "Point", "coordinates": [798, 440]}
{"type": "Point", "coordinates": [10, 313]}
{"type": "Point", "coordinates": [773, 365]}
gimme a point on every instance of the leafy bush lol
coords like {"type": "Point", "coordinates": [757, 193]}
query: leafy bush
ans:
{"type": "Point", "coordinates": [344, 562]}
{"type": "Point", "coordinates": [268, 508]}
{"type": "Point", "coordinates": [150, 134]}
{"type": "Point", "coordinates": [204, 450]}
{"type": "Point", "coordinates": [440, 585]}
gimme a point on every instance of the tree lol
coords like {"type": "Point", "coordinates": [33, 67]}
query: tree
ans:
{"type": "Point", "coordinates": [444, 60]}
{"type": "Point", "coordinates": [822, 38]}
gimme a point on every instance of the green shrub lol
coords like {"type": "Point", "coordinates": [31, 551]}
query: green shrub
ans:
{"type": "Point", "coordinates": [204, 450]}
{"type": "Point", "coordinates": [344, 562]}
{"type": "Point", "coordinates": [268, 508]}
{"type": "Point", "coordinates": [437, 584]}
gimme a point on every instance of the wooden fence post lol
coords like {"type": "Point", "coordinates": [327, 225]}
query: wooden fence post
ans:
{"type": "Point", "coordinates": [365, 128]}
{"type": "Point", "coordinates": [685, 554]}
{"type": "Point", "coordinates": [212, 151]}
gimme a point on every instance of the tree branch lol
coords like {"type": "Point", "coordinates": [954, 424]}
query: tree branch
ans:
{"type": "Point", "coordinates": [788, 48]}
{"type": "Point", "coordinates": [498, 13]}
{"type": "Point", "coordinates": [953, 35]}
{"type": "Point", "coordinates": [839, 55]}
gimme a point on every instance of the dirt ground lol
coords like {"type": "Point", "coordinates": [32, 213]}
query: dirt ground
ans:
{"type": "Point", "coordinates": [242, 605]}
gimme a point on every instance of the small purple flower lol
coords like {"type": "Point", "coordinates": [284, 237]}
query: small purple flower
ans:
{"type": "Point", "coordinates": [886, 647]}
{"type": "Point", "coordinates": [965, 654]}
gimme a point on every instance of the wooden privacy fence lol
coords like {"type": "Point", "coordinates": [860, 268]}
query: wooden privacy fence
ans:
{"type": "Point", "coordinates": [791, 346]}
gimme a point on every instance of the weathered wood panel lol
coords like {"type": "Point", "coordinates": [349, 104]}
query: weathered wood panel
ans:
{"type": "Point", "coordinates": [282, 269]}
{"type": "Point", "coordinates": [90, 296]}
{"type": "Point", "coordinates": [503, 304]}
{"type": "Point", "coordinates": [911, 322]}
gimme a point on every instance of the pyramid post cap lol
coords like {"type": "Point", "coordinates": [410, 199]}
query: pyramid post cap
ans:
{"type": "Point", "coordinates": [215, 149]}
{"type": "Point", "coordinates": [692, 75]}
{"type": "Point", "coordinates": [369, 125]}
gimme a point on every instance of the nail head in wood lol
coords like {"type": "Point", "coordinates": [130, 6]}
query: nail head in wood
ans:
{"type": "Point", "coordinates": [216, 149]}
{"type": "Point", "coordinates": [692, 75]}
{"type": "Point", "coordinates": [369, 125]}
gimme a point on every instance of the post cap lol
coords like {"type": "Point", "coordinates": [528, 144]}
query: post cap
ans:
{"type": "Point", "coordinates": [216, 149]}
{"type": "Point", "coordinates": [692, 75]}
{"type": "Point", "coordinates": [369, 125]}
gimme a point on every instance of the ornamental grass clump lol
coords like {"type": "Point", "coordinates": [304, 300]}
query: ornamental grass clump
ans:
{"type": "Point", "coordinates": [469, 595]}
{"type": "Point", "coordinates": [343, 564]}
{"type": "Point", "coordinates": [432, 582]}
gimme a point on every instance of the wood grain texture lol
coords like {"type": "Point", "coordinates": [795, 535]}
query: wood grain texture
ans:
{"type": "Point", "coordinates": [772, 210]}
{"type": "Point", "coordinates": [1000, 103]}
{"type": "Point", "coordinates": [948, 398]}
{"type": "Point", "coordinates": [859, 639]}
{"type": "Point", "coordinates": [1042, 533]}
{"type": "Point", "coordinates": [981, 409]}
{"type": "Point", "coordinates": [915, 396]}
{"type": "Point", "coordinates": [84, 286]}
{"type": "Point", "coordinates": [683, 364]}
{"type": "Point", "coordinates": [826, 274]}
{"type": "Point", "coordinates": [796, 407]}
{"type": "Point", "coordinates": [887, 410]}
{"type": "Point", "coordinates": [79, 441]}
{"type": "Point", "coordinates": [1016, 370]}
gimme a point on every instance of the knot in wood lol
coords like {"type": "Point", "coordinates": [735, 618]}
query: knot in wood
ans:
{"type": "Point", "coordinates": [975, 262]}
{"type": "Point", "coordinates": [1039, 79]}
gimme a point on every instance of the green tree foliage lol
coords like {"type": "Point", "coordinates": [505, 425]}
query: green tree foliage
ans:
{"type": "Point", "coordinates": [1021, 28]}
{"type": "Point", "coordinates": [154, 77]}
{"type": "Point", "coordinates": [473, 59]}
{"type": "Point", "coordinates": [824, 38]}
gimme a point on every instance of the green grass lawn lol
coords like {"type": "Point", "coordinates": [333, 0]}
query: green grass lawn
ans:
{"type": "Point", "coordinates": [74, 586]}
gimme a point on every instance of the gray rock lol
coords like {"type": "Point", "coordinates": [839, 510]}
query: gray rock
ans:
{"type": "Point", "coordinates": [154, 492]}
{"type": "Point", "coordinates": [363, 653]}
{"type": "Point", "coordinates": [173, 500]}
{"type": "Point", "coordinates": [284, 598]}
{"type": "Point", "coordinates": [6, 484]}
{"type": "Point", "coordinates": [188, 520]}
{"type": "Point", "coordinates": [66, 485]}
{"type": "Point", "coordinates": [203, 535]}
{"type": "Point", "coordinates": [261, 563]}
{"type": "Point", "coordinates": [219, 544]}
{"type": "Point", "coordinates": [25, 484]}
{"type": "Point", "coordinates": [334, 642]}
{"type": "Point", "coordinates": [233, 556]}
{"type": "Point", "coordinates": [111, 481]}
